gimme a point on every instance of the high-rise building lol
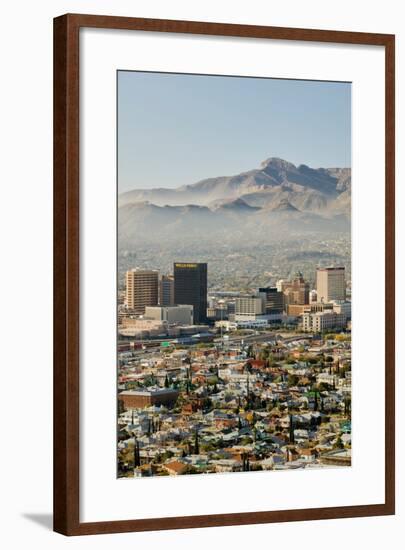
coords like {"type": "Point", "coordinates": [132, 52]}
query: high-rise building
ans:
{"type": "Point", "coordinates": [190, 287]}
{"type": "Point", "coordinates": [166, 290]}
{"type": "Point", "coordinates": [141, 289]}
{"type": "Point", "coordinates": [280, 285]}
{"type": "Point", "coordinates": [274, 299]}
{"type": "Point", "coordinates": [250, 305]}
{"type": "Point", "coordinates": [295, 291]}
{"type": "Point", "coordinates": [330, 284]}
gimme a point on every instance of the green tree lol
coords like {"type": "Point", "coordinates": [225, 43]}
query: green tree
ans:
{"type": "Point", "coordinates": [292, 380]}
{"type": "Point", "coordinates": [338, 443]}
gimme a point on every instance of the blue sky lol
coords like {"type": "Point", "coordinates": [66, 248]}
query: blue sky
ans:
{"type": "Point", "coordinates": [178, 129]}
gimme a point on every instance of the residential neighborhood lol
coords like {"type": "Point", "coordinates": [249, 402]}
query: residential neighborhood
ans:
{"type": "Point", "coordinates": [274, 396]}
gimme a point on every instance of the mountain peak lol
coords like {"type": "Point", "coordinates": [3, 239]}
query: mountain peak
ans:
{"type": "Point", "coordinates": [306, 188]}
{"type": "Point", "coordinates": [276, 163]}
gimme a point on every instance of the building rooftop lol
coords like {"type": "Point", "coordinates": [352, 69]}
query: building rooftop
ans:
{"type": "Point", "coordinates": [331, 268]}
{"type": "Point", "coordinates": [151, 391]}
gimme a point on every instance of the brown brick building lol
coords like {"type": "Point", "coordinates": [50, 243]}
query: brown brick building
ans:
{"type": "Point", "coordinates": [295, 291]}
{"type": "Point", "coordinates": [138, 399]}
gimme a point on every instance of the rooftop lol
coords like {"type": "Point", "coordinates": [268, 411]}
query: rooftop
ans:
{"type": "Point", "coordinates": [151, 391]}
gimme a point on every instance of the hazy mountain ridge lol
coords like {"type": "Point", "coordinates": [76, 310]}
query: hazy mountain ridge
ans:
{"type": "Point", "coordinates": [306, 188]}
{"type": "Point", "coordinates": [278, 198]}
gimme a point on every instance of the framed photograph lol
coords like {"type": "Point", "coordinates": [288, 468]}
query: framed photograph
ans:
{"type": "Point", "coordinates": [223, 274]}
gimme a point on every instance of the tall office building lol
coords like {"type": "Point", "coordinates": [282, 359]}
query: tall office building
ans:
{"type": "Point", "coordinates": [190, 287]}
{"type": "Point", "coordinates": [274, 299]}
{"type": "Point", "coordinates": [141, 289]}
{"type": "Point", "coordinates": [166, 290]}
{"type": "Point", "coordinates": [330, 284]}
{"type": "Point", "coordinates": [250, 305]}
{"type": "Point", "coordinates": [296, 291]}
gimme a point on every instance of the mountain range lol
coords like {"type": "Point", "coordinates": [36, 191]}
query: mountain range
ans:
{"type": "Point", "coordinates": [277, 199]}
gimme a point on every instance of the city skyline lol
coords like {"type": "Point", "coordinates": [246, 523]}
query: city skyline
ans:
{"type": "Point", "coordinates": [288, 301]}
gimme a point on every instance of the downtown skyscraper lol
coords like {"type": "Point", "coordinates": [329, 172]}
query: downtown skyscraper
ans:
{"type": "Point", "coordinates": [330, 283]}
{"type": "Point", "coordinates": [190, 287]}
{"type": "Point", "coordinates": [141, 289]}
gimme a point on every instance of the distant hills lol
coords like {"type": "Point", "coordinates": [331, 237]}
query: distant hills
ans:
{"type": "Point", "coordinates": [274, 200]}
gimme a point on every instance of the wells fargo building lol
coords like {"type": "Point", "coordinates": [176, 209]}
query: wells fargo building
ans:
{"type": "Point", "coordinates": [190, 287]}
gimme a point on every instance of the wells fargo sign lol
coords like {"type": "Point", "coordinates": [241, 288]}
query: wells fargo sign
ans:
{"type": "Point", "coordinates": [185, 265]}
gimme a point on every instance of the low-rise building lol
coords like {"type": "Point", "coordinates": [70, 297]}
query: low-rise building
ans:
{"type": "Point", "coordinates": [313, 307]}
{"type": "Point", "coordinates": [141, 327]}
{"type": "Point", "coordinates": [137, 399]}
{"type": "Point", "coordinates": [176, 467]}
{"type": "Point", "coordinates": [180, 314]}
{"type": "Point", "coordinates": [326, 378]}
{"type": "Point", "coordinates": [344, 307]}
{"type": "Point", "coordinates": [323, 320]}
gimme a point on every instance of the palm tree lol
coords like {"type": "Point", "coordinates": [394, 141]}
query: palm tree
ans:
{"type": "Point", "coordinates": [196, 444]}
{"type": "Point", "coordinates": [292, 439]}
{"type": "Point", "coordinates": [137, 456]}
{"type": "Point", "coordinates": [347, 406]}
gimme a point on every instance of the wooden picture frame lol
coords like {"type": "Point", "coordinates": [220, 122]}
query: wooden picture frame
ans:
{"type": "Point", "coordinates": [67, 284]}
